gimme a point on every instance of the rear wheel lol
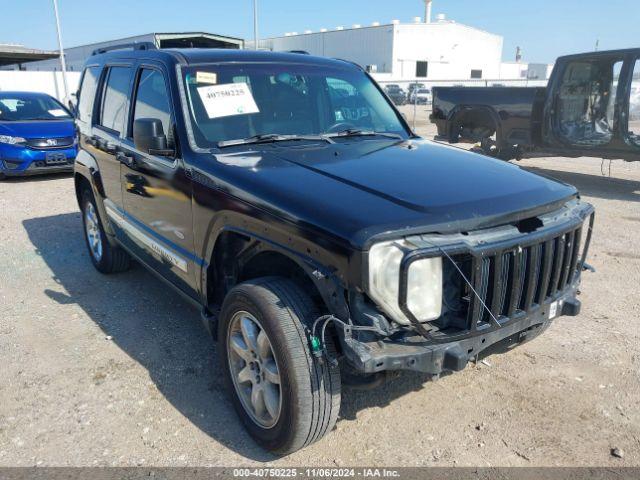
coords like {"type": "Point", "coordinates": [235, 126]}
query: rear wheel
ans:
{"type": "Point", "coordinates": [285, 397]}
{"type": "Point", "coordinates": [107, 258]}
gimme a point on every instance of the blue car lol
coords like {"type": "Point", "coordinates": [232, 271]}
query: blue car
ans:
{"type": "Point", "coordinates": [37, 135]}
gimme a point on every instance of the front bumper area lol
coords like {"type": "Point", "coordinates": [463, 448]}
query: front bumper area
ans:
{"type": "Point", "coordinates": [18, 160]}
{"type": "Point", "coordinates": [416, 354]}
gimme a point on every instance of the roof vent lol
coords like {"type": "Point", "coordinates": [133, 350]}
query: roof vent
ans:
{"type": "Point", "coordinates": [417, 19]}
{"type": "Point", "coordinates": [441, 17]}
{"type": "Point", "coordinates": [307, 32]}
{"type": "Point", "coordinates": [288, 34]}
{"type": "Point", "coordinates": [395, 22]}
{"type": "Point", "coordinates": [323, 30]}
{"type": "Point", "coordinates": [340, 28]}
{"type": "Point", "coordinates": [356, 25]}
{"type": "Point", "coordinates": [375, 24]}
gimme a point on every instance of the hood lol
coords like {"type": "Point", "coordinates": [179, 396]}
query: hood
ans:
{"type": "Point", "coordinates": [38, 129]}
{"type": "Point", "coordinates": [365, 187]}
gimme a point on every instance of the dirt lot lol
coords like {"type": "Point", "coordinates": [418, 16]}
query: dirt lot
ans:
{"type": "Point", "coordinates": [118, 370]}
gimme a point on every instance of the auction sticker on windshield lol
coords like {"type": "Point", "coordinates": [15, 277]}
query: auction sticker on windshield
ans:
{"type": "Point", "coordinates": [227, 99]}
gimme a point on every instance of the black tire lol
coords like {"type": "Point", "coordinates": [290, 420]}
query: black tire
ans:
{"type": "Point", "coordinates": [113, 259]}
{"type": "Point", "coordinates": [309, 389]}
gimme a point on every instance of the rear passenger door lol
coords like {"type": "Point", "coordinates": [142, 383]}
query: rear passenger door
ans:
{"type": "Point", "coordinates": [156, 191]}
{"type": "Point", "coordinates": [108, 128]}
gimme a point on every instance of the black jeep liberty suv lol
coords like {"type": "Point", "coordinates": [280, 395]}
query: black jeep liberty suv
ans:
{"type": "Point", "coordinates": [286, 197]}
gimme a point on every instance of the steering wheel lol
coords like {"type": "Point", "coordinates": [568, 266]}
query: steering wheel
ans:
{"type": "Point", "coordinates": [340, 126]}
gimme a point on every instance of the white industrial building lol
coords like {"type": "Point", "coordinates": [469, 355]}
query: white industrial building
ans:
{"type": "Point", "coordinates": [434, 52]}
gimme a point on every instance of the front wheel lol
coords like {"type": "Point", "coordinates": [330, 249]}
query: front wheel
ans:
{"type": "Point", "coordinates": [285, 397]}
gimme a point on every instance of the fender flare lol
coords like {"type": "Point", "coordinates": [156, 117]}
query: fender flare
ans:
{"type": "Point", "coordinates": [86, 167]}
{"type": "Point", "coordinates": [324, 277]}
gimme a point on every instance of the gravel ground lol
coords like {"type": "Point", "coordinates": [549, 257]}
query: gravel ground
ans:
{"type": "Point", "coordinates": [118, 370]}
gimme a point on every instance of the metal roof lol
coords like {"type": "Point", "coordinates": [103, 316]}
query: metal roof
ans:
{"type": "Point", "coordinates": [13, 54]}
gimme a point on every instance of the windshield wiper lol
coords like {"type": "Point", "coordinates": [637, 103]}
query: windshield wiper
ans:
{"type": "Point", "coordinates": [271, 138]}
{"type": "Point", "coordinates": [356, 132]}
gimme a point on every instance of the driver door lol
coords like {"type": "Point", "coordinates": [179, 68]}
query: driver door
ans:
{"type": "Point", "coordinates": [155, 188]}
{"type": "Point", "coordinates": [586, 112]}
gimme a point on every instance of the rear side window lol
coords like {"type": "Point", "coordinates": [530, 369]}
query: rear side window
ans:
{"type": "Point", "coordinates": [88, 93]}
{"type": "Point", "coordinates": [152, 99]}
{"type": "Point", "coordinates": [114, 99]}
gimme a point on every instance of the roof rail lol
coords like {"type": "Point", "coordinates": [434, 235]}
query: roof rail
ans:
{"type": "Point", "coordinates": [301, 52]}
{"type": "Point", "coordinates": [122, 46]}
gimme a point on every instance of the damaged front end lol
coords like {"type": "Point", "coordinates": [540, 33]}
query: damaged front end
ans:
{"type": "Point", "coordinates": [499, 287]}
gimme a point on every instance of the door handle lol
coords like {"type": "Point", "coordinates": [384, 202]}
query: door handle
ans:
{"type": "Point", "coordinates": [125, 159]}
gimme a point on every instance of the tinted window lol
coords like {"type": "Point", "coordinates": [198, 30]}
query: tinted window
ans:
{"type": "Point", "coordinates": [152, 99]}
{"type": "Point", "coordinates": [114, 101]}
{"type": "Point", "coordinates": [88, 93]}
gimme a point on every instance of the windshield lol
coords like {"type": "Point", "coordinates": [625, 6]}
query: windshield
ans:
{"type": "Point", "coordinates": [16, 107]}
{"type": "Point", "coordinates": [230, 102]}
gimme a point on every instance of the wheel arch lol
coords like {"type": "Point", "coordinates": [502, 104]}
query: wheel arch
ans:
{"type": "Point", "coordinates": [87, 176]}
{"type": "Point", "coordinates": [482, 115]}
{"type": "Point", "coordinates": [237, 256]}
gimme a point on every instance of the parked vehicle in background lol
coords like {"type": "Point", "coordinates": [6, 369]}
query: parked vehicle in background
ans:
{"type": "Point", "coordinates": [286, 197]}
{"type": "Point", "coordinates": [589, 108]}
{"type": "Point", "coordinates": [396, 94]}
{"type": "Point", "coordinates": [412, 90]}
{"type": "Point", "coordinates": [422, 96]}
{"type": "Point", "coordinates": [37, 135]}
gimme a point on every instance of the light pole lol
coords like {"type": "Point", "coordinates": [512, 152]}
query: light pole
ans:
{"type": "Point", "coordinates": [255, 24]}
{"type": "Point", "coordinates": [62, 61]}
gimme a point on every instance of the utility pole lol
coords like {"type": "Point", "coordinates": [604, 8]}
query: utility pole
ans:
{"type": "Point", "coordinates": [63, 64]}
{"type": "Point", "coordinates": [255, 24]}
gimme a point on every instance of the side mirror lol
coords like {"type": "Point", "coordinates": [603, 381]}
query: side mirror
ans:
{"type": "Point", "coordinates": [149, 137]}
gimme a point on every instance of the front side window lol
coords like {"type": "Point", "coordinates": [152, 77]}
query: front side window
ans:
{"type": "Point", "coordinates": [152, 99]}
{"type": "Point", "coordinates": [17, 107]}
{"type": "Point", "coordinates": [228, 102]}
{"type": "Point", "coordinates": [114, 99]}
{"type": "Point", "coordinates": [88, 93]}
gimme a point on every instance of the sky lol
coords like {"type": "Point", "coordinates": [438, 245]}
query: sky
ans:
{"type": "Point", "coordinates": [544, 29]}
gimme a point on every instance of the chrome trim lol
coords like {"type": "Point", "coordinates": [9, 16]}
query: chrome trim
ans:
{"type": "Point", "coordinates": [153, 245]}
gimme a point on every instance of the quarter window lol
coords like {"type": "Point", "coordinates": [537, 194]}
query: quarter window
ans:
{"type": "Point", "coordinates": [152, 99]}
{"type": "Point", "coordinates": [114, 100]}
{"type": "Point", "coordinates": [88, 93]}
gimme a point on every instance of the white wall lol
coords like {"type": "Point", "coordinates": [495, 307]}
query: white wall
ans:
{"type": "Point", "coordinates": [452, 50]}
{"type": "Point", "coordinates": [365, 46]}
{"type": "Point", "coordinates": [46, 82]}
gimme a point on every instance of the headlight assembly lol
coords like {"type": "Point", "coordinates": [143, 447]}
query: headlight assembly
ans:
{"type": "Point", "coordinates": [424, 283]}
{"type": "Point", "coordinates": [12, 140]}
